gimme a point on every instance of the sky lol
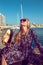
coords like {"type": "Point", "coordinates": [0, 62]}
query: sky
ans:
{"type": "Point", "coordinates": [31, 9]}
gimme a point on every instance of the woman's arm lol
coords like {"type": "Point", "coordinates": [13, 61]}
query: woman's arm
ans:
{"type": "Point", "coordinates": [3, 62]}
{"type": "Point", "coordinates": [36, 40]}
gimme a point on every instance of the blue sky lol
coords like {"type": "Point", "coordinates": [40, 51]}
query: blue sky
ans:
{"type": "Point", "coordinates": [32, 9]}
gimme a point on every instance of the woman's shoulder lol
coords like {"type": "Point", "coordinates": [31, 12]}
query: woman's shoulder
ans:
{"type": "Point", "coordinates": [33, 33]}
{"type": "Point", "coordinates": [32, 30]}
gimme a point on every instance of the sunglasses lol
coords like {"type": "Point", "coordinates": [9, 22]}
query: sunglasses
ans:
{"type": "Point", "coordinates": [22, 20]}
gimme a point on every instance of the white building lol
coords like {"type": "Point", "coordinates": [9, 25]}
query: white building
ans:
{"type": "Point", "coordinates": [2, 20]}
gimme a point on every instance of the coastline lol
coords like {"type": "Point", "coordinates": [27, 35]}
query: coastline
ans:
{"type": "Point", "coordinates": [18, 27]}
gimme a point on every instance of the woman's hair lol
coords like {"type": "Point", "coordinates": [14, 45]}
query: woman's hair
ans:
{"type": "Point", "coordinates": [18, 35]}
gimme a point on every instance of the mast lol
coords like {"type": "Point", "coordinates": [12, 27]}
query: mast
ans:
{"type": "Point", "coordinates": [21, 11]}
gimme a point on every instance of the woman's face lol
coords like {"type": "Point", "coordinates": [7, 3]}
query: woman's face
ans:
{"type": "Point", "coordinates": [6, 37]}
{"type": "Point", "coordinates": [24, 24]}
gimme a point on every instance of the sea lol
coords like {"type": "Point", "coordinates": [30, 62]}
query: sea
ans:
{"type": "Point", "coordinates": [39, 32]}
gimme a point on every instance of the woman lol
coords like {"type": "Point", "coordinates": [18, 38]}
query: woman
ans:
{"type": "Point", "coordinates": [11, 55]}
{"type": "Point", "coordinates": [25, 37]}
{"type": "Point", "coordinates": [21, 47]}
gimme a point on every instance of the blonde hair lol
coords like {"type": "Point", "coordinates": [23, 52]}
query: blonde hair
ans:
{"type": "Point", "coordinates": [18, 35]}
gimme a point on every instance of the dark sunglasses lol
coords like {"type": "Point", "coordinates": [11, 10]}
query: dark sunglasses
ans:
{"type": "Point", "coordinates": [23, 20]}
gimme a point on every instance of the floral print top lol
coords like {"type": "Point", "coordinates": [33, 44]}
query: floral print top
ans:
{"type": "Point", "coordinates": [16, 52]}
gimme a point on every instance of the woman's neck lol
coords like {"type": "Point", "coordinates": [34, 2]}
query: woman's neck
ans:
{"type": "Point", "coordinates": [24, 32]}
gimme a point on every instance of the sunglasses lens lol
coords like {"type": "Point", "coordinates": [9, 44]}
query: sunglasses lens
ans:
{"type": "Point", "coordinates": [23, 20]}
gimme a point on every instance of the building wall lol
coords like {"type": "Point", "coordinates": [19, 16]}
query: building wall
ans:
{"type": "Point", "coordinates": [2, 20]}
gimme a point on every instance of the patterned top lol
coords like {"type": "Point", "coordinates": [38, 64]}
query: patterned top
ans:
{"type": "Point", "coordinates": [16, 52]}
{"type": "Point", "coordinates": [26, 43]}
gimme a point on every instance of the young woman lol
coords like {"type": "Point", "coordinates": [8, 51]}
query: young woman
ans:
{"type": "Point", "coordinates": [25, 37]}
{"type": "Point", "coordinates": [21, 48]}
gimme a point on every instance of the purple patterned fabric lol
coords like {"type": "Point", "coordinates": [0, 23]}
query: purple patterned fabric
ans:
{"type": "Point", "coordinates": [27, 49]}
{"type": "Point", "coordinates": [24, 50]}
{"type": "Point", "coordinates": [12, 54]}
